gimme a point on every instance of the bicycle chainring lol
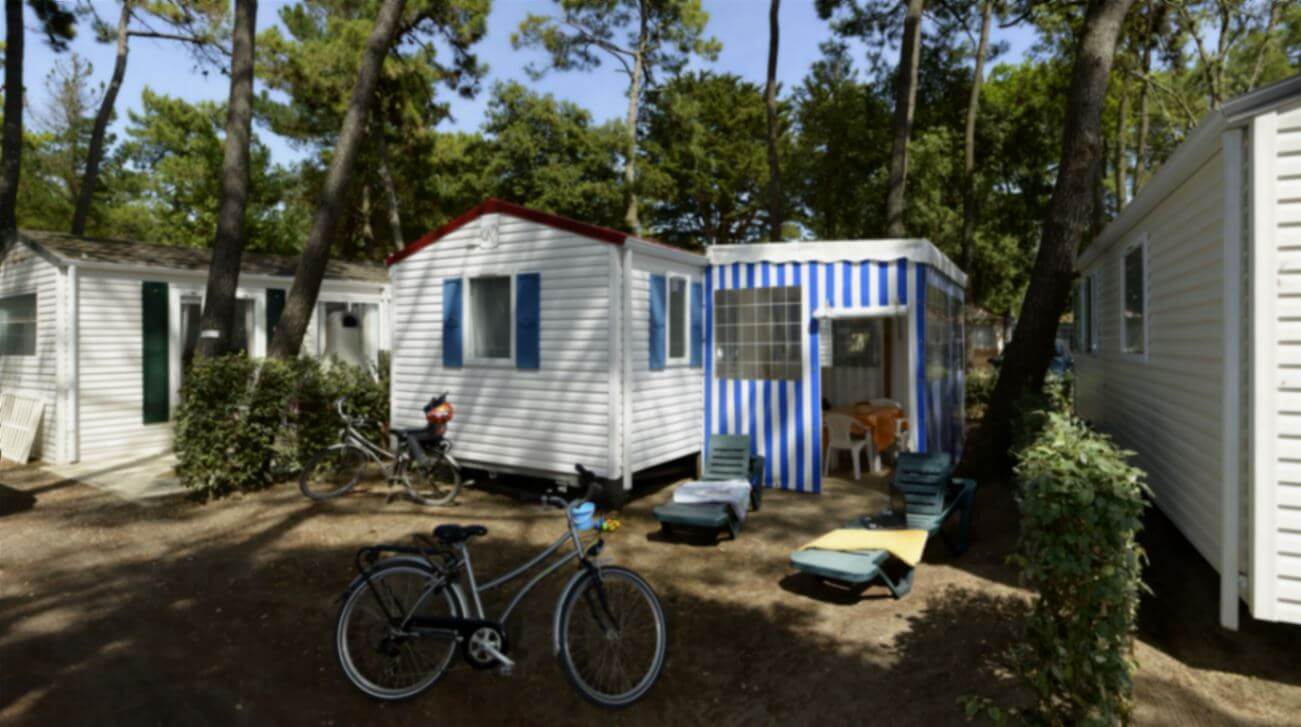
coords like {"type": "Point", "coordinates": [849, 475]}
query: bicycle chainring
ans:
{"type": "Point", "coordinates": [474, 651]}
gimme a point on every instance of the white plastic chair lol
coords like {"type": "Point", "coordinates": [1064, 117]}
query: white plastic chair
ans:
{"type": "Point", "coordinates": [840, 429]}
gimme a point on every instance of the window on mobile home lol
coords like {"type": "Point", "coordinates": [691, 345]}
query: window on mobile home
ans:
{"type": "Point", "coordinates": [1133, 328]}
{"type": "Point", "coordinates": [677, 319]}
{"type": "Point", "coordinates": [18, 325]}
{"type": "Point", "coordinates": [490, 318]}
{"type": "Point", "coordinates": [758, 334]}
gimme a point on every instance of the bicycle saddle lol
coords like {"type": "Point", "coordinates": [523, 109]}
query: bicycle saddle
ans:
{"type": "Point", "coordinates": [452, 534]}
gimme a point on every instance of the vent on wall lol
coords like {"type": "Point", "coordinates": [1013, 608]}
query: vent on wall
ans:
{"type": "Point", "coordinates": [488, 227]}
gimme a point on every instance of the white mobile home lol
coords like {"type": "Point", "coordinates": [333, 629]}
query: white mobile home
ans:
{"type": "Point", "coordinates": [560, 342]}
{"type": "Point", "coordinates": [100, 331]}
{"type": "Point", "coordinates": [1189, 344]}
{"type": "Point", "coordinates": [563, 343]}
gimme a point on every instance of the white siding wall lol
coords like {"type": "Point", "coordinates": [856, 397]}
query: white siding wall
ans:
{"type": "Point", "coordinates": [23, 271]}
{"type": "Point", "coordinates": [543, 420]}
{"type": "Point", "coordinates": [1279, 498]}
{"type": "Point", "coordinates": [1166, 406]}
{"type": "Point", "coordinates": [111, 390]}
{"type": "Point", "coordinates": [668, 409]}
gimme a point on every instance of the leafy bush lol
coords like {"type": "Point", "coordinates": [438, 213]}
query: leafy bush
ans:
{"type": "Point", "coordinates": [243, 424]}
{"type": "Point", "coordinates": [980, 387]}
{"type": "Point", "coordinates": [1081, 505]}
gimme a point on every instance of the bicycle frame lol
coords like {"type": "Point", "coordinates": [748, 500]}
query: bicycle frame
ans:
{"type": "Point", "coordinates": [462, 561]}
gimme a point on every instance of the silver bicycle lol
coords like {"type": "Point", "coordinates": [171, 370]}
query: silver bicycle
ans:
{"type": "Point", "coordinates": [405, 618]}
{"type": "Point", "coordinates": [421, 462]}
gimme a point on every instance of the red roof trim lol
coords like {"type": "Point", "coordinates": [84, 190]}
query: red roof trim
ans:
{"type": "Point", "coordinates": [596, 232]}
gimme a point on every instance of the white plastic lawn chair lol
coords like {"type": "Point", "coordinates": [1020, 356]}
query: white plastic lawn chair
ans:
{"type": "Point", "coordinates": [840, 429]}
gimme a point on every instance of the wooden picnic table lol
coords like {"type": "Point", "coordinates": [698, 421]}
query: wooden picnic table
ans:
{"type": "Point", "coordinates": [879, 420]}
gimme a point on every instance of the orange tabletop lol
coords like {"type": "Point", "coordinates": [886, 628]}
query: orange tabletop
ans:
{"type": "Point", "coordinates": [880, 420]}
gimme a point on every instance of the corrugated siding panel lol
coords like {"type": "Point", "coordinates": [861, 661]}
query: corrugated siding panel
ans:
{"type": "Point", "coordinates": [111, 390]}
{"type": "Point", "coordinates": [1287, 492]}
{"type": "Point", "coordinates": [1167, 407]}
{"type": "Point", "coordinates": [22, 272]}
{"type": "Point", "coordinates": [546, 419]}
{"type": "Point", "coordinates": [667, 405]}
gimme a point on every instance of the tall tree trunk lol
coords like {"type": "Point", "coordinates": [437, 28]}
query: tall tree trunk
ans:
{"type": "Point", "coordinates": [774, 132]}
{"type": "Point", "coordinates": [1027, 356]}
{"type": "Point", "coordinates": [288, 338]}
{"type": "Point", "coordinates": [1122, 125]}
{"type": "Point", "coordinates": [390, 191]}
{"type": "Point", "coordinates": [905, 101]}
{"type": "Point", "coordinates": [95, 153]}
{"type": "Point", "coordinates": [1155, 16]}
{"type": "Point", "coordinates": [11, 148]}
{"type": "Point", "coordinates": [969, 141]}
{"type": "Point", "coordinates": [228, 247]}
{"type": "Point", "coordinates": [631, 217]}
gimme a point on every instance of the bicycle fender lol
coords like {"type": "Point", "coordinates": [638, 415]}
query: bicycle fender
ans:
{"type": "Point", "coordinates": [592, 570]}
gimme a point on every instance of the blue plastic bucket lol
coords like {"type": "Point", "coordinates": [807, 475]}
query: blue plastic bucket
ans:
{"type": "Point", "coordinates": [582, 515]}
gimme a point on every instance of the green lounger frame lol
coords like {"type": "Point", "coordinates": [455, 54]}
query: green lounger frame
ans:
{"type": "Point", "coordinates": [729, 459]}
{"type": "Point", "coordinates": [931, 496]}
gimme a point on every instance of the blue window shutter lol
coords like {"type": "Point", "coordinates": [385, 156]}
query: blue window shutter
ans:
{"type": "Point", "coordinates": [697, 325]}
{"type": "Point", "coordinates": [528, 316]}
{"type": "Point", "coordinates": [659, 286]}
{"type": "Point", "coordinates": [452, 327]}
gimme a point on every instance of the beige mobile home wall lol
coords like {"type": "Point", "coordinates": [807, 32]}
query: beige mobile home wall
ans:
{"type": "Point", "coordinates": [538, 421]}
{"type": "Point", "coordinates": [23, 271]}
{"type": "Point", "coordinates": [668, 405]}
{"type": "Point", "coordinates": [1276, 536]}
{"type": "Point", "coordinates": [1166, 405]}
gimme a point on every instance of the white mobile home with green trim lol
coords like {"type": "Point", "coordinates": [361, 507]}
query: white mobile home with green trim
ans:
{"type": "Point", "coordinates": [1189, 343]}
{"type": "Point", "coordinates": [99, 331]}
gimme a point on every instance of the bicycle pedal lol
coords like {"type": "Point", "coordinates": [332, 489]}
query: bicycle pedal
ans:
{"type": "Point", "coordinates": [506, 670]}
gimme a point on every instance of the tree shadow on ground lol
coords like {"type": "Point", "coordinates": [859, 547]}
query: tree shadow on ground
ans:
{"type": "Point", "coordinates": [1181, 615]}
{"type": "Point", "coordinates": [235, 627]}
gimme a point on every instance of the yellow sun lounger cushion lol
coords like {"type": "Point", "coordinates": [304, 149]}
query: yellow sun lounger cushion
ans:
{"type": "Point", "coordinates": [906, 545]}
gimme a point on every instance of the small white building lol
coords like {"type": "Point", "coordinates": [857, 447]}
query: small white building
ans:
{"type": "Point", "coordinates": [563, 342]}
{"type": "Point", "coordinates": [1189, 344]}
{"type": "Point", "coordinates": [101, 331]}
{"type": "Point", "coordinates": [534, 322]}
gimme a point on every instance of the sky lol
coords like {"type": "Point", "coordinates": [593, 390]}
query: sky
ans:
{"type": "Point", "coordinates": [740, 25]}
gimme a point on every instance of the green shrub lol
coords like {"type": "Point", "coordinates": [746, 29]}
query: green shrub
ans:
{"type": "Point", "coordinates": [980, 388]}
{"type": "Point", "coordinates": [216, 447]}
{"type": "Point", "coordinates": [243, 424]}
{"type": "Point", "coordinates": [1081, 505]}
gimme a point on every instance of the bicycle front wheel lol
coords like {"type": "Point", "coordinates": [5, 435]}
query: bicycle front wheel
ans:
{"type": "Point", "coordinates": [612, 648]}
{"type": "Point", "coordinates": [333, 471]}
{"type": "Point", "coordinates": [378, 654]}
{"type": "Point", "coordinates": [437, 484]}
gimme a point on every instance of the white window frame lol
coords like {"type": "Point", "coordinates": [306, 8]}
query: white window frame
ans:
{"type": "Point", "coordinates": [685, 315]}
{"type": "Point", "coordinates": [1139, 243]}
{"type": "Point", "coordinates": [36, 323]}
{"type": "Point", "coordinates": [1089, 285]}
{"type": "Point", "coordinates": [467, 311]}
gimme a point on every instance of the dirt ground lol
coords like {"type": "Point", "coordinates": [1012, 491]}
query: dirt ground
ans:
{"type": "Point", "coordinates": [178, 613]}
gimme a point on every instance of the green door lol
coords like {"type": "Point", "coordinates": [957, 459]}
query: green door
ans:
{"type": "Point", "coordinates": [275, 306]}
{"type": "Point", "coordinates": [153, 322]}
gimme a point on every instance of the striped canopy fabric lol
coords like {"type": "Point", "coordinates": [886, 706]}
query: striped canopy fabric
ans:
{"type": "Point", "coordinates": [784, 416]}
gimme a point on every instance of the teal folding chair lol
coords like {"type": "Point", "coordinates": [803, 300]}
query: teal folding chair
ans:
{"type": "Point", "coordinates": [931, 496]}
{"type": "Point", "coordinates": [729, 459]}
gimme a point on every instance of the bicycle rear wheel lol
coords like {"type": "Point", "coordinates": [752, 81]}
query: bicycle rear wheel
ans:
{"type": "Point", "coordinates": [612, 652]}
{"type": "Point", "coordinates": [437, 484]}
{"type": "Point", "coordinates": [377, 654]}
{"type": "Point", "coordinates": [333, 471]}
